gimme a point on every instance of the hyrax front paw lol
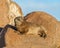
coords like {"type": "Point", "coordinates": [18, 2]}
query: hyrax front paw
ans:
{"type": "Point", "coordinates": [42, 34]}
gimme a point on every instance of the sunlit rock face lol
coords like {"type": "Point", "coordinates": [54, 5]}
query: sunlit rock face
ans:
{"type": "Point", "coordinates": [14, 11]}
{"type": "Point", "coordinates": [59, 21]}
{"type": "Point", "coordinates": [8, 11]}
{"type": "Point", "coordinates": [3, 13]}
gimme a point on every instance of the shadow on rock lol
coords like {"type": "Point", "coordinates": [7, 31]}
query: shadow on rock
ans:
{"type": "Point", "coordinates": [2, 40]}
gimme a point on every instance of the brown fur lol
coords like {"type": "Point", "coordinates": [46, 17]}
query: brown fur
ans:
{"type": "Point", "coordinates": [3, 13]}
{"type": "Point", "coordinates": [25, 27]}
{"type": "Point", "coordinates": [59, 47]}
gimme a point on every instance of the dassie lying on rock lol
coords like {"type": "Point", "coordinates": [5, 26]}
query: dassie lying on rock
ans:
{"type": "Point", "coordinates": [25, 27]}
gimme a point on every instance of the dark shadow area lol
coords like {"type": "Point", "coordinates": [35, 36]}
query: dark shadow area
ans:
{"type": "Point", "coordinates": [2, 40]}
{"type": "Point", "coordinates": [2, 34]}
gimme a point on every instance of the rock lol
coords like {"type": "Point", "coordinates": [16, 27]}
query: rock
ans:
{"type": "Point", "coordinates": [5, 9]}
{"type": "Point", "coordinates": [3, 13]}
{"type": "Point", "coordinates": [15, 40]}
{"type": "Point", "coordinates": [14, 11]}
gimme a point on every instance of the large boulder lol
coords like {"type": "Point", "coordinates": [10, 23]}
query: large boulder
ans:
{"type": "Point", "coordinates": [14, 11]}
{"type": "Point", "coordinates": [6, 10]}
{"type": "Point", "coordinates": [3, 13]}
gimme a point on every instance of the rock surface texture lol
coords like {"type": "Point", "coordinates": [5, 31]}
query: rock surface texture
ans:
{"type": "Point", "coordinates": [3, 13]}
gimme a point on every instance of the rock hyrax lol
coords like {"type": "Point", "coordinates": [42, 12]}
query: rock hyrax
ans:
{"type": "Point", "coordinates": [25, 27]}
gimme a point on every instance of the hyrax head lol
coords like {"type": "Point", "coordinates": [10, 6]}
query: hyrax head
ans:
{"type": "Point", "coordinates": [19, 20]}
